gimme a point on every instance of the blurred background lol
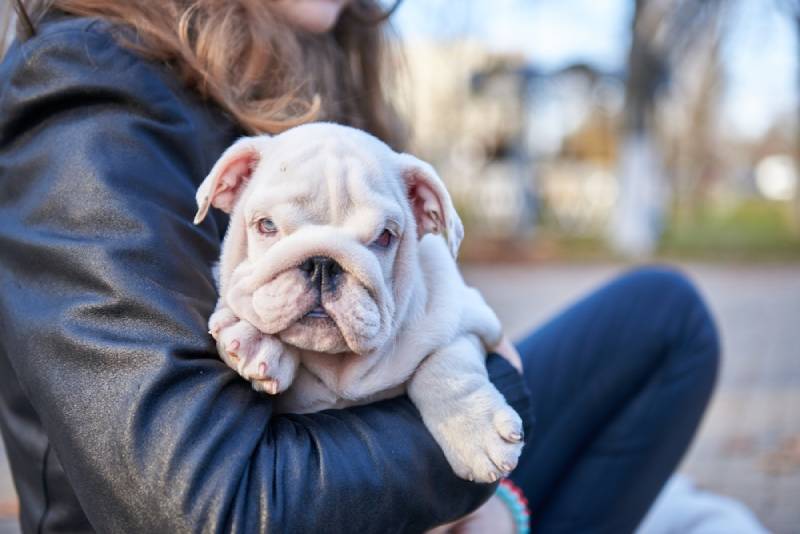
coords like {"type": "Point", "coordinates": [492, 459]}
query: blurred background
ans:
{"type": "Point", "coordinates": [635, 128]}
{"type": "Point", "coordinates": [581, 137]}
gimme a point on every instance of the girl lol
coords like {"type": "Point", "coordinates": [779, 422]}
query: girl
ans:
{"type": "Point", "coordinates": [116, 412]}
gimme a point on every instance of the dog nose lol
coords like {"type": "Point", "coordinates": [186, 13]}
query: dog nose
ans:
{"type": "Point", "coordinates": [322, 271]}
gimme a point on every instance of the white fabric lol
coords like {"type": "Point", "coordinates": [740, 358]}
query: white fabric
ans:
{"type": "Point", "coordinates": [682, 508]}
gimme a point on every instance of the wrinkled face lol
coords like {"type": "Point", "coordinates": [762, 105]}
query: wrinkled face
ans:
{"type": "Point", "coordinates": [323, 227]}
{"type": "Point", "coordinates": [322, 239]}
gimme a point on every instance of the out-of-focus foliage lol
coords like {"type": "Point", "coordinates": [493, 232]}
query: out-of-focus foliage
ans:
{"type": "Point", "coordinates": [636, 160]}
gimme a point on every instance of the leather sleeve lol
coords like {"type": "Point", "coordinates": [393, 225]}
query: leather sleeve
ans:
{"type": "Point", "coordinates": [105, 290]}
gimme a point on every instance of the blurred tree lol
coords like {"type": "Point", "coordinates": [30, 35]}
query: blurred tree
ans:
{"type": "Point", "coordinates": [792, 9]}
{"type": "Point", "coordinates": [691, 119]}
{"type": "Point", "coordinates": [662, 32]}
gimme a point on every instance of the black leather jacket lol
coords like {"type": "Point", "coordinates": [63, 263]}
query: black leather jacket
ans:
{"type": "Point", "coordinates": [116, 412]}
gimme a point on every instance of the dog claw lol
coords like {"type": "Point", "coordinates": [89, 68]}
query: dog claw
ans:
{"type": "Point", "coordinates": [267, 385]}
{"type": "Point", "coordinates": [493, 477]}
{"type": "Point", "coordinates": [506, 467]}
{"type": "Point", "coordinates": [516, 436]}
{"type": "Point", "coordinates": [255, 356]}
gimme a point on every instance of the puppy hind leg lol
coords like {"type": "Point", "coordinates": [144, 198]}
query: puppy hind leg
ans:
{"type": "Point", "coordinates": [479, 319]}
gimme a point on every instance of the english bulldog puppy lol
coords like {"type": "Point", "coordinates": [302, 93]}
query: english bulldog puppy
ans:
{"type": "Point", "coordinates": [338, 286]}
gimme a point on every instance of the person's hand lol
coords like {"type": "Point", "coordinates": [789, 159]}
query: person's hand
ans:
{"type": "Point", "coordinates": [494, 516]}
{"type": "Point", "coordinates": [507, 351]}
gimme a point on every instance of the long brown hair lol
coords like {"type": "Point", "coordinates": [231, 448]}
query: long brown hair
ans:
{"type": "Point", "coordinates": [266, 75]}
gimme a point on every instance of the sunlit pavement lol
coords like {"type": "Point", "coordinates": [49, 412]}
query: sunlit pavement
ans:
{"type": "Point", "coordinates": [749, 444]}
{"type": "Point", "coordinates": [8, 526]}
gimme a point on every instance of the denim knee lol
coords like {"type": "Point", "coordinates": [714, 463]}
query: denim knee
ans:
{"type": "Point", "coordinates": [675, 294]}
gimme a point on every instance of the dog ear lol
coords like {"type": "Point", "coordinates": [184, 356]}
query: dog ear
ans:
{"type": "Point", "coordinates": [431, 203]}
{"type": "Point", "coordinates": [227, 179]}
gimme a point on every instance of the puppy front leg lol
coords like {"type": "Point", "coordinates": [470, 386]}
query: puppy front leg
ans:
{"type": "Point", "coordinates": [264, 360]}
{"type": "Point", "coordinates": [480, 434]}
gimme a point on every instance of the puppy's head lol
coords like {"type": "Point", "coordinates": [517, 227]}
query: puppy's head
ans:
{"type": "Point", "coordinates": [321, 247]}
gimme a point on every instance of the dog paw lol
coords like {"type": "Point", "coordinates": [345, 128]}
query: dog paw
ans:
{"type": "Point", "coordinates": [237, 340]}
{"type": "Point", "coordinates": [259, 358]}
{"type": "Point", "coordinates": [272, 367]}
{"type": "Point", "coordinates": [481, 436]}
{"type": "Point", "coordinates": [222, 318]}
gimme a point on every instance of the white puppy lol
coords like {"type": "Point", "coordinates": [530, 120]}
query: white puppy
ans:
{"type": "Point", "coordinates": [338, 286]}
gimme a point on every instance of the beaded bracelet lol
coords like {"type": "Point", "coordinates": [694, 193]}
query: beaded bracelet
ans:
{"type": "Point", "coordinates": [512, 496]}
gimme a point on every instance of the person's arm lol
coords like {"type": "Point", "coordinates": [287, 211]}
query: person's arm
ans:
{"type": "Point", "coordinates": [105, 290]}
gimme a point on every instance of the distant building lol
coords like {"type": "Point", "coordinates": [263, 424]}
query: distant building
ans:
{"type": "Point", "coordinates": [516, 146]}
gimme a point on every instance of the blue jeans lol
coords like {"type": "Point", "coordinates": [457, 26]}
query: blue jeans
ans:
{"type": "Point", "coordinates": [619, 383]}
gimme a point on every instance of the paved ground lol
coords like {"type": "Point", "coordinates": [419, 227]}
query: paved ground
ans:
{"type": "Point", "coordinates": [749, 444]}
{"type": "Point", "coordinates": [9, 526]}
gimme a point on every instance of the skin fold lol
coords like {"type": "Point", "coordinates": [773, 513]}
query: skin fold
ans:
{"type": "Point", "coordinates": [338, 286]}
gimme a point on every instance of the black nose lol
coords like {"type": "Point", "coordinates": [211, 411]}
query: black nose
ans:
{"type": "Point", "coordinates": [322, 271]}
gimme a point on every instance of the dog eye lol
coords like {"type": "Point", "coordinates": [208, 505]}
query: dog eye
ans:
{"type": "Point", "coordinates": [266, 226]}
{"type": "Point", "coordinates": [385, 239]}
